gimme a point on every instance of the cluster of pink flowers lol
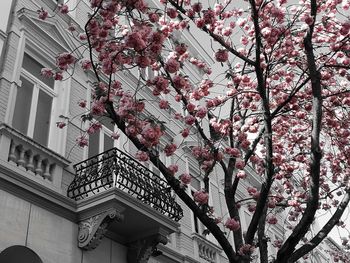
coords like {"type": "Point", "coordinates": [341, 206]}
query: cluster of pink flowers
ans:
{"type": "Point", "coordinates": [172, 65]}
{"type": "Point", "coordinates": [94, 127]}
{"type": "Point", "coordinates": [185, 178]}
{"type": "Point", "coordinates": [246, 249]}
{"type": "Point", "coordinates": [201, 197]}
{"type": "Point", "coordinates": [150, 134]}
{"type": "Point", "coordinates": [253, 192]}
{"type": "Point", "coordinates": [46, 72]}
{"type": "Point", "coordinates": [185, 132]}
{"type": "Point", "coordinates": [221, 55]}
{"type": "Point", "coordinates": [277, 243]}
{"type": "Point", "coordinates": [142, 156]}
{"type": "Point", "coordinates": [63, 8]}
{"type": "Point", "coordinates": [42, 13]}
{"type": "Point", "coordinates": [272, 220]}
{"type": "Point", "coordinates": [82, 141]}
{"type": "Point", "coordinates": [232, 224]}
{"type": "Point", "coordinates": [173, 168]}
{"type": "Point", "coordinates": [160, 85]}
{"type": "Point", "coordinates": [170, 149]}
{"type": "Point", "coordinates": [61, 124]}
{"type": "Point", "coordinates": [240, 164]}
{"type": "Point", "coordinates": [234, 152]}
{"type": "Point", "coordinates": [86, 64]}
{"type": "Point", "coordinates": [64, 60]}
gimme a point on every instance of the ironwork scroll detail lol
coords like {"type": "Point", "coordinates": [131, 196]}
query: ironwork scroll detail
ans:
{"type": "Point", "coordinates": [141, 250]}
{"type": "Point", "coordinates": [114, 168]}
{"type": "Point", "coordinates": [93, 229]}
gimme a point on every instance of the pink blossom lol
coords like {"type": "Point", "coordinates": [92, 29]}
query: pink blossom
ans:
{"type": "Point", "coordinates": [197, 7]}
{"type": "Point", "coordinates": [277, 243]}
{"type": "Point", "coordinates": [82, 36]}
{"type": "Point", "coordinates": [201, 112]}
{"type": "Point", "coordinates": [246, 249]}
{"type": "Point", "coordinates": [61, 124]}
{"type": "Point", "coordinates": [46, 72]}
{"type": "Point", "coordinates": [232, 224]}
{"type": "Point", "coordinates": [234, 152]}
{"type": "Point", "coordinates": [63, 8]}
{"type": "Point", "coordinates": [251, 208]}
{"type": "Point", "coordinates": [189, 120]}
{"type": "Point", "coordinates": [241, 175]}
{"type": "Point", "coordinates": [190, 107]}
{"type": "Point", "coordinates": [240, 164]}
{"type": "Point", "coordinates": [185, 132]}
{"type": "Point", "coordinates": [185, 178]}
{"type": "Point", "coordinates": [43, 14]}
{"type": "Point", "coordinates": [64, 60]}
{"type": "Point", "coordinates": [153, 17]}
{"type": "Point", "coordinates": [172, 13]}
{"type": "Point", "coordinates": [163, 104]}
{"type": "Point", "coordinates": [72, 28]}
{"type": "Point", "coordinates": [115, 135]}
{"type": "Point", "coordinates": [201, 197]}
{"type": "Point", "coordinates": [173, 168]}
{"type": "Point", "coordinates": [170, 149]}
{"type": "Point", "coordinates": [82, 103]}
{"type": "Point", "coordinates": [97, 107]}
{"type": "Point", "coordinates": [86, 64]}
{"type": "Point", "coordinates": [94, 127]}
{"type": "Point", "coordinates": [172, 65]}
{"type": "Point", "coordinates": [272, 220]}
{"type": "Point", "coordinates": [82, 141]}
{"type": "Point", "coordinates": [142, 156]}
{"type": "Point", "coordinates": [221, 55]}
{"type": "Point", "coordinates": [181, 49]}
{"type": "Point", "coordinates": [58, 76]}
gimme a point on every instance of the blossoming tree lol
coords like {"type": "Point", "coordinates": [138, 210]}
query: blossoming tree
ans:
{"type": "Point", "coordinates": [283, 106]}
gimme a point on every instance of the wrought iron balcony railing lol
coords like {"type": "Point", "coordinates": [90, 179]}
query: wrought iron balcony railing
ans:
{"type": "Point", "coordinates": [114, 168]}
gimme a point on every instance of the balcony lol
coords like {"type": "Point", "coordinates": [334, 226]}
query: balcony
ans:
{"type": "Point", "coordinates": [115, 169]}
{"type": "Point", "coordinates": [134, 205]}
{"type": "Point", "coordinates": [23, 156]}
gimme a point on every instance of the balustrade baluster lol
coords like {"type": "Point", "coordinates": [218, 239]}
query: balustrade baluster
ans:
{"type": "Point", "coordinates": [30, 164]}
{"type": "Point", "coordinates": [38, 169]}
{"type": "Point", "coordinates": [12, 153]}
{"type": "Point", "coordinates": [21, 160]}
{"type": "Point", "coordinates": [46, 173]}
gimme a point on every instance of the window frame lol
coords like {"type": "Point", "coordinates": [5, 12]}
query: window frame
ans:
{"type": "Point", "coordinates": [38, 86]}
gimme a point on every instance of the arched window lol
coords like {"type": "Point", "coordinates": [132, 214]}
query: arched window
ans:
{"type": "Point", "coordinates": [17, 254]}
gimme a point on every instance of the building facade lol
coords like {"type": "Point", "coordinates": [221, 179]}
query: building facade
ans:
{"type": "Point", "coordinates": [63, 203]}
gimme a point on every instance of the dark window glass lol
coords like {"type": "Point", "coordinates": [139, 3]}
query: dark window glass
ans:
{"type": "Point", "coordinates": [94, 144]}
{"type": "Point", "coordinates": [42, 119]}
{"type": "Point", "coordinates": [22, 106]}
{"type": "Point", "coordinates": [34, 67]}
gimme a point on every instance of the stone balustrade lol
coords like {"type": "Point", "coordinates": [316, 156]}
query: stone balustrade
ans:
{"type": "Point", "coordinates": [207, 250]}
{"type": "Point", "coordinates": [29, 156]}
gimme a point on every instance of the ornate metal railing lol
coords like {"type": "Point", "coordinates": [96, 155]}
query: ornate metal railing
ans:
{"type": "Point", "coordinates": [114, 168]}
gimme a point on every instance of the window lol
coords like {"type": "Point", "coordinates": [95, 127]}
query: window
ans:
{"type": "Point", "coordinates": [101, 141]}
{"type": "Point", "coordinates": [34, 101]}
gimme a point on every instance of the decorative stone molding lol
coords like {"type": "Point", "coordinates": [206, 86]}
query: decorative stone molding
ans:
{"type": "Point", "coordinates": [141, 250]}
{"type": "Point", "coordinates": [38, 161]}
{"type": "Point", "coordinates": [206, 249]}
{"type": "Point", "coordinates": [93, 229]}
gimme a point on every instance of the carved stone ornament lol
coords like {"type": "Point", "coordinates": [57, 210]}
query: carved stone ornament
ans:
{"type": "Point", "coordinates": [141, 250]}
{"type": "Point", "coordinates": [93, 229]}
